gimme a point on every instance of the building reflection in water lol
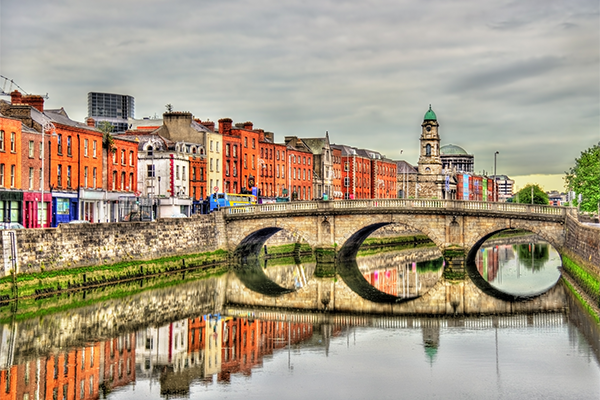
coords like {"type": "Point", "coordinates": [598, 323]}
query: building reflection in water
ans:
{"type": "Point", "coordinates": [519, 268]}
{"type": "Point", "coordinates": [407, 280]}
{"type": "Point", "coordinates": [208, 350]}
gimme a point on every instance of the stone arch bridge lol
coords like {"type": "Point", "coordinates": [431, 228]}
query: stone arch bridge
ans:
{"type": "Point", "coordinates": [337, 228]}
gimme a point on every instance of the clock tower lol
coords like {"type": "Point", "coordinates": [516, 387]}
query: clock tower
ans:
{"type": "Point", "coordinates": [430, 162]}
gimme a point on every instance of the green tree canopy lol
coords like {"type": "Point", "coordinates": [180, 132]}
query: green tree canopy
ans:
{"type": "Point", "coordinates": [524, 195]}
{"type": "Point", "coordinates": [584, 179]}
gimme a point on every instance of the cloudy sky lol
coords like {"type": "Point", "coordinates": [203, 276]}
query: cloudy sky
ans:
{"type": "Point", "coordinates": [518, 77]}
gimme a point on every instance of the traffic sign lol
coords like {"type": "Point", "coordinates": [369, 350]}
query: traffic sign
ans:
{"type": "Point", "coordinates": [216, 189]}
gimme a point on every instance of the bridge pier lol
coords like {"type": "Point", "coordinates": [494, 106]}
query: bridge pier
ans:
{"type": "Point", "coordinates": [325, 254]}
{"type": "Point", "coordinates": [456, 260]}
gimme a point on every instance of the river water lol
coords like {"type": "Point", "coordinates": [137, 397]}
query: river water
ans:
{"type": "Point", "coordinates": [258, 333]}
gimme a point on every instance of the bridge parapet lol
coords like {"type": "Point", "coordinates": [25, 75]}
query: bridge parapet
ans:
{"type": "Point", "coordinates": [403, 204]}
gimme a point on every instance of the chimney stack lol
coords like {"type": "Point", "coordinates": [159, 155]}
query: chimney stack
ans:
{"type": "Point", "coordinates": [34, 101]}
{"type": "Point", "coordinates": [248, 125]}
{"type": "Point", "coordinates": [207, 124]}
{"type": "Point", "coordinates": [225, 126]}
{"type": "Point", "coordinates": [90, 122]}
{"type": "Point", "coordinates": [261, 135]}
{"type": "Point", "coordinates": [15, 97]}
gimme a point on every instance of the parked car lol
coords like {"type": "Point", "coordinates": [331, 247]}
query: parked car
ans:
{"type": "Point", "coordinates": [11, 225]}
{"type": "Point", "coordinates": [137, 216]}
{"type": "Point", "coordinates": [178, 215]}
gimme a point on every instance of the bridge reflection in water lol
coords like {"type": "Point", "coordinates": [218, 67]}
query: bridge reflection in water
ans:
{"type": "Point", "coordinates": [205, 331]}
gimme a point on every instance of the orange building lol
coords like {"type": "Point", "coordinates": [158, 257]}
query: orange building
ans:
{"type": "Point", "coordinates": [119, 361]}
{"type": "Point", "coordinates": [75, 374]}
{"type": "Point", "coordinates": [246, 343]}
{"type": "Point", "coordinates": [11, 200]}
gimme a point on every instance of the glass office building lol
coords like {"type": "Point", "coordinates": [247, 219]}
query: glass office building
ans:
{"type": "Point", "coordinates": [114, 108]}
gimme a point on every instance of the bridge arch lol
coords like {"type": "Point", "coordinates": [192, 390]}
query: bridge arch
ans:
{"type": "Point", "coordinates": [247, 239]}
{"type": "Point", "coordinates": [551, 234]}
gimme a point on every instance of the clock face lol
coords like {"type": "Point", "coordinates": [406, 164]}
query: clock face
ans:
{"type": "Point", "coordinates": [428, 128]}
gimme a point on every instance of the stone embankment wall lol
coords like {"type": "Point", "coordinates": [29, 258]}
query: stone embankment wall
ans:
{"type": "Point", "coordinates": [583, 242]}
{"type": "Point", "coordinates": [70, 246]}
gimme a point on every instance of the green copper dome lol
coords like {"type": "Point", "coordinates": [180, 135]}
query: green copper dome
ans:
{"type": "Point", "coordinates": [430, 115]}
{"type": "Point", "coordinates": [452, 149]}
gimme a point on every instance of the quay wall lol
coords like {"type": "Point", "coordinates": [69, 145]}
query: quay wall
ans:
{"type": "Point", "coordinates": [583, 242]}
{"type": "Point", "coordinates": [76, 245]}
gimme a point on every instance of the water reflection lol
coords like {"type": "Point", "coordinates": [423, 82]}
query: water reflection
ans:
{"type": "Point", "coordinates": [393, 276]}
{"type": "Point", "coordinates": [520, 269]}
{"type": "Point", "coordinates": [274, 277]}
{"type": "Point", "coordinates": [208, 354]}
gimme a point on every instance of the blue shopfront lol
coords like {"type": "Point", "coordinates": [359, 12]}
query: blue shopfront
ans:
{"type": "Point", "coordinates": [64, 208]}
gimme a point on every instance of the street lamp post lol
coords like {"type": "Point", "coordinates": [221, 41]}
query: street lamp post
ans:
{"type": "Point", "coordinates": [495, 178]}
{"type": "Point", "coordinates": [46, 126]}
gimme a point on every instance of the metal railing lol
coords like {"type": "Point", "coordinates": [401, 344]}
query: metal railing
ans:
{"type": "Point", "coordinates": [406, 204]}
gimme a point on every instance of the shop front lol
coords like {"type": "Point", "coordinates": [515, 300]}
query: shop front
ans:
{"type": "Point", "coordinates": [91, 205]}
{"type": "Point", "coordinates": [35, 213]}
{"type": "Point", "coordinates": [11, 202]}
{"type": "Point", "coordinates": [64, 207]}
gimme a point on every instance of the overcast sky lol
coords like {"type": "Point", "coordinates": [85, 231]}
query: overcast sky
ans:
{"type": "Point", "coordinates": [518, 77]}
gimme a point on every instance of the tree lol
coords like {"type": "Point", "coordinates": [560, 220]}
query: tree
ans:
{"type": "Point", "coordinates": [523, 196]}
{"type": "Point", "coordinates": [584, 179]}
{"type": "Point", "coordinates": [107, 140]}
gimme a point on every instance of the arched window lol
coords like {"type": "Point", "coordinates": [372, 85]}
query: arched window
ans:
{"type": "Point", "coordinates": [428, 150]}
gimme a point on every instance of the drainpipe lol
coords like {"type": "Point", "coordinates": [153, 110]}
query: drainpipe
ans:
{"type": "Point", "coordinates": [78, 177]}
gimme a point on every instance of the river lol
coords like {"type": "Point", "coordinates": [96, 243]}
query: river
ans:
{"type": "Point", "coordinates": [282, 329]}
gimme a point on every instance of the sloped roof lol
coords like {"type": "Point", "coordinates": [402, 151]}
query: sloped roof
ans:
{"type": "Point", "coordinates": [402, 167]}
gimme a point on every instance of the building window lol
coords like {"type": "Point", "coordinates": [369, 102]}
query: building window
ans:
{"type": "Point", "coordinates": [69, 176]}
{"type": "Point", "coordinates": [308, 160]}
{"type": "Point", "coordinates": [217, 146]}
{"type": "Point", "coordinates": [85, 147]}
{"type": "Point", "coordinates": [183, 173]}
{"type": "Point", "coordinates": [114, 157]}
{"type": "Point", "coordinates": [234, 151]}
{"type": "Point", "coordinates": [59, 144]}
{"type": "Point", "coordinates": [218, 165]}
{"type": "Point", "coordinates": [226, 168]}
{"type": "Point", "coordinates": [211, 145]}
{"type": "Point", "coordinates": [428, 150]}
{"type": "Point", "coordinates": [346, 181]}
{"type": "Point", "coordinates": [1, 140]}
{"type": "Point", "coordinates": [13, 142]}
{"type": "Point", "coordinates": [131, 158]}
{"type": "Point", "coordinates": [85, 177]}
{"type": "Point", "coordinates": [253, 143]}
{"type": "Point", "coordinates": [122, 157]}
{"type": "Point", "coordinates": [94, 178]}
{"type": "Point", "coordinates": [177, 172]}
{"type": "Point", "coordinates": [234, 169]}
{"type": "Point", "coordinates": [41, 149]}
{"type": "Point", "coordinates": [30, 178]}
{"type": "Point", "coordinates": [253, 162]}
{"type": "Point", "coordinates": [114, 180]}
{"type": "Point", "coordinates": [1, 175]}
{"type": "Point", "coordinates": [151, 171]}
{"type": "Point", "coordinates": [246, 142]}
{"type": "Point", "coordinates": [150, 151]}
{"type": "Point", "coordinates": [130, 187]}
{"type": "Point", "coordinates": [94, 145]}
{"type": "Point", "coordinates": [227, 149]}
{"type": "Point", "coordinates": [122, 181]}
{"type": "Point", "coordinates": [193, 174]}
{"type": "Point", "coordinates": [59, 175]}
{"type": "Point", "coordinates": [245, 161]}
{"type": "Point", "coordinates": [69, 148]}
{"type": "Point", "coordinates": [31, 149]}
